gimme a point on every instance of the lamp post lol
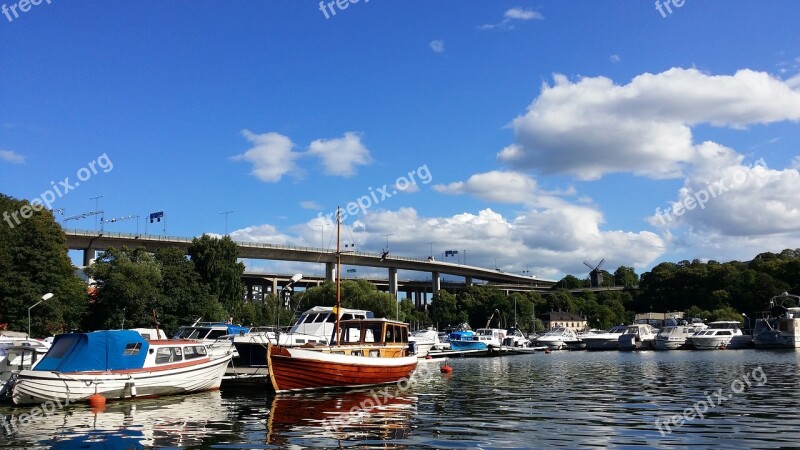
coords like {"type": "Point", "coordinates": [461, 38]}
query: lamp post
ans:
{"type": "Point", "coordinates": [226, 220]}
{"type": "Point", "coordinates": [295, 278]}
{"type": "Point", "coordinates": [45, 297]}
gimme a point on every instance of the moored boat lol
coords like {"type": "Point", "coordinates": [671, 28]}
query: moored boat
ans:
{"type": "Point", "coordinates": [118, 364]}
{"type": "Point", "coordinates": [782, 330]}
{"type": "Point", "coordinates": [16, 356]}
{"type": "Point", "coordinates": [638, 336]}
{"type": "Point", "coordinates": [217, 336]}
{"type": "Point", "coordinates": [425, 341]}
{"type": "Point", "coordinates": [675, 337]}
{"type": "Point", "coordinates": [720, 334]}
{"type": "Point", "coordinates": [605, 341]}
{"type": "Point", "coordinates": [558, 338]}
{"type": "Point", "coordinates": [483, 339]}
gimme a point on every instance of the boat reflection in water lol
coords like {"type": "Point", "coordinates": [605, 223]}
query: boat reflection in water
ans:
{"type": "Point", "coordinates": [178, 421]}
{"type": "Point", "coordinates": [340, 419]}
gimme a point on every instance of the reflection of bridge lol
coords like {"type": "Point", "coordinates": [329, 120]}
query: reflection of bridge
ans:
{"type": "Point", "coordinates": [91, 241]}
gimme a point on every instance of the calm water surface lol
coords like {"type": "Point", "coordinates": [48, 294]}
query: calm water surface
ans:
{"type": "Point", "coordinates": [567, 399]}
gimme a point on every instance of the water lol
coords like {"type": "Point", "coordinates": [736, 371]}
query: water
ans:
{"type": "Point", "coordinates": [568, 399]}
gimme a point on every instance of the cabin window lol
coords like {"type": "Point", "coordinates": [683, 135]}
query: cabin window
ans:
{"type": "Point", "coordinates": [374, 353]}
{"type": "Point", "coordinates": [330, 318]}
{"type": "Point", "coordinates": [132, 349]}
{"type": "Point", "coordinates": [351, 334]}
{"type": "Point", "coordinates": [373, 333]}
{"type": "Point", "coordinates": [319, 318]}
{"type": "Point", "coordinates": [168, 354]}
{"type": "Point", "coordinates": [301, 341]}
{"type": "Point", "coordinates": [390, 333]}
{"type": "Point", "coordinates": [197, 351]}
{"type": "Point", "coordinates": [216, 334]}
{"type": "Point", "coordinates": [357, 353]}
{"type": "Point", "coordinates": [347, 316]}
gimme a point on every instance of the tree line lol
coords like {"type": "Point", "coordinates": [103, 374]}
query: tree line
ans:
{"type": "Point", "coordinates": [132, 284]}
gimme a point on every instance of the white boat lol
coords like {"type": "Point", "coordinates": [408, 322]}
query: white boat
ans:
{"type": "Point", "coordinates": [313, 327]}
{"type": "Point", "coordinates": [16, 356]}
{"type": "Point", "coordinates": [425, 341]}
{"type": "Point", "coordinates": [515, 338]}
{"type": "Point", "coordinates": [217, 336]}
{"type": "Point", "coordinates": [558, 338]}
{"type": "Point", "coordinates": [483, 339]}
{"type": "Point", "coordinates": [782, 330]}
{"type": "Point", "coordinates": [676, 337]}
{"type": "Point", "coordinates": [605, 341]}
{"type": "Point", "coordinates": [638, 336]}
{"type": "Point", "coordinates": [720, 334]}
{"type": "Point", "coordinates": [118, 364]}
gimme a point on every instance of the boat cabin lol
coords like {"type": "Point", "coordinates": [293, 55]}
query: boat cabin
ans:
{"type": "Point", "coordinates": [372, 337]}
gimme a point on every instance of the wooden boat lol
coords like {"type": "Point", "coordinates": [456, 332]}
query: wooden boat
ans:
{"type": "Point", "coordinates": [362, 352]}
{"type": "Point", "coordinates": [118, 364]}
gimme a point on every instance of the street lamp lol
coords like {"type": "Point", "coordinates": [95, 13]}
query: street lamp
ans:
{"type": "Point", "coordinates": [45, 297]}
{"type": "Point", "coordinates": [295, 278]}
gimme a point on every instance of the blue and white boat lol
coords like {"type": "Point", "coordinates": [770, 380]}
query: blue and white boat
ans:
{"type": "Point", "coordinates": [118, 364]}
{"type": "Point", "coordinates": [483, 339]}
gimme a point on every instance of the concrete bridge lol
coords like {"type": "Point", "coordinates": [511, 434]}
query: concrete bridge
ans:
{"type": "Point", "coordinates": [91, 241]}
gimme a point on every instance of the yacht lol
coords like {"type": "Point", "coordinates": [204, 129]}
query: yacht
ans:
{"type": "Point", "coordinates": [313, 327]}
{"type": "Point", "coordinates": [16, 356]}
{"type": "Point", "coordinates": [425, 341]}
{"type": "Point", "coordinates": [720, 334]}
{"type": "Point", "coordinates": [675, 337]}
{"type": "Point", "coordinates": [782, 329]}
{"type": "Point", "coordinates": [558, 338]}
{"type": "Point", "coordinates": [483, 339]}
{"type": "Point", "coordinates": [515, 338]}
{"type": "Point", "coordinates": [639, 336]}
{"type": "Point", "coordinates": [217, 336]}
{"type": "Point", "coordinates": [605, 341]}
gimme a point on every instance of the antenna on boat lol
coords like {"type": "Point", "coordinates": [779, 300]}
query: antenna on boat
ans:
{"type": "Point", "coordinates": [338, 272]}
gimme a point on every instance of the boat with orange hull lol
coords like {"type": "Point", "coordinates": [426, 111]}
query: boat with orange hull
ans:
{"type": "Point", "coordinates": [364, 358]}
{"type": "Point", "coordinates": [361, 352]}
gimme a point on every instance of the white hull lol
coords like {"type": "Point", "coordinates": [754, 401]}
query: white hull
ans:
{"type": "Point", "coordinates": [715, 342]}
{"type": "Point", "coordinates": [661, 344]}
{"type": "Point", "coordinates": [552, 344]}
{"type": "Point", "coordinates": [40, 386]}
{"type": "Point", "coordinates": [602, 344]}
{"type": "Point", "coordinates": [423, 348]}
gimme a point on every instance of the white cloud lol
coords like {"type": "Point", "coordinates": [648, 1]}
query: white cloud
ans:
{"type": "Point", "coordinates": [308, 204]}
{"type": "Point", "coordinates": [593, 127]}
{"type": "Point", "coordinates": [494, 186]}
{"type": "Point", "coordinates": [271, 156]}
{"type": "Point", "coordinates": [340, 156]}
{"type": "Point", "coordinates": [614, 58]}
{"type": "Point", "coordinates": [12, 157]}
{"type": "Point", "coordinates": [511, 16]}
{"type": "Point", "coordinates": [437, 46]}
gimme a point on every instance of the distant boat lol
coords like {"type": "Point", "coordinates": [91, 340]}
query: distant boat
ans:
{"type": "Point", "coordinates": [782, 330]}
{"type": "Point", "coordinates": [362, 352]}
{"type": "Point", "coordinates": [483, 339]}
{"type": "Point", "coordinates": [217, 336]}
{"type": "Point", "coordinates": [558, 338]}
{"type": "Point", "coordinates": [118, 364]}
{"type": "Point", "coordinates": [674, 337]}
{"type": "Point", "coordinates": [425, 341]}
{"type": "Point", "coordinates": [605, 341]}
{"type": "Point", "coordinates": [640, 336]}
{"type": "Point", "coordinates": [723, 333]}
{"type": "Point", "coordinates": [17, 355]}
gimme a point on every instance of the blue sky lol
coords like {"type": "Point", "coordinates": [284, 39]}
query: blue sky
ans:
{"type": "Point", "coordinates": [541, 133]}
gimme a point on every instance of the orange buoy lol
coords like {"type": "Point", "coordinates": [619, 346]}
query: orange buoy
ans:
{"type": "Point", "coordinates": [547, 351]}
{"type": "Point", "coordinates": [722, 347]}
{"type": "Point", "coordinates": [446, 369]}
{"type": "Point", "coordinates": [428, 357]}
{"type": "Point", "coordinates": [96, 401]}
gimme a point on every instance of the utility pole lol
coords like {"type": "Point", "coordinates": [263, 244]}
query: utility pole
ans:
{"type": "Point", "coordinates": [96, 208]}
{"type": "Point", "coordinates": [226, 220]}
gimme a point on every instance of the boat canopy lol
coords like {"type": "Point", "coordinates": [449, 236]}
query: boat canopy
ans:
{"type": "Point", "coordinates": [100, 350]}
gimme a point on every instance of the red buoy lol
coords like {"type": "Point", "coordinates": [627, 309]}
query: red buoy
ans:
{"type": "Point", "coordinates": [722, 347]}
{"type": "Point", "coordinates": [428, 357]}
{"type": "Point", "coordinates": [547, 351]}
{"type": "Point", "coordinates": [446, 369]}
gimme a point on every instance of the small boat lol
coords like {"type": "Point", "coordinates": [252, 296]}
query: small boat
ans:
{"type": "Point", "coordinates": [558, 338]}
{"type": "Point", "coordinates": [118, 364]}
{"type": "Point", "coordinates": [605, 341]}
{"type": "Point", "coordinates": [720, 334]}
{"type": "Point", "coordinates": [314, 326]}
{"type": "Point", "coordinates": [675, 337]}
{"type": "Point", "coordinates": [782, 329]}
{"type": "Point", "coordinates": [425, 341]}
{"type": "Point", "coordinates": [16, 356]}
{"type": "Point", "coordinates": [483, 339]}
{"type": "Point", "coordinates": [640, 336]}
{"type": "Point", "coordinates": [217, 336]}
{"type": "Point", "coordinates": [515, 338]}
{"type": "Point", "coordinates": [362, 352]}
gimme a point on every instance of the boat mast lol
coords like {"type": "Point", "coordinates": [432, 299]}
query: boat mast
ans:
{"type": "Point", "coordinates": [338, 273]}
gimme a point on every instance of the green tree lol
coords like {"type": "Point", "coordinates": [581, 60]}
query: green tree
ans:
{"type": "Point", "coordinates": [625, 276]}
{"type": "Point", "coordinates": [34, 261]}
{"type": "Point", "coordinates": [216, 260]}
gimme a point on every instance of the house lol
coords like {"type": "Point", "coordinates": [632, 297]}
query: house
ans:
{"type": "Point", "coordinates": [555, 319]}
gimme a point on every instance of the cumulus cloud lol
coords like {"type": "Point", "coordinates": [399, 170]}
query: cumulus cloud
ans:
{"type": "Point", "coordinates": [308, 204]}
{"type": "Point", "coordinates": [271, 156]}
{"type": "Point", "coordinates": [340, 156]}
{"type": "Point", "coordinates": [512, 16]}
{"type": "Point", "coordinates": [12, 157]}
{"type": "Point", "coordinates": [494, 186]}
{"type": "Point", "coordinates": [437, 46]}
{"type": "Point", "coordinates": [614, 58]}
{"type": "Point", "coordinates": [593, 127]}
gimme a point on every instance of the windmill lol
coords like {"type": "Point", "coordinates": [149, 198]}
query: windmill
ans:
{"type": "Point", "coordinates": [596, 275]}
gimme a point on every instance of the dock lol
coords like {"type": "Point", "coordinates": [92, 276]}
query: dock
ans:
{"type": "Point", "coordinates": [497, 351]}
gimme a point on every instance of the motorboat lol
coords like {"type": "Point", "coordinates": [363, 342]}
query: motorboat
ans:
{"type": "Point", "coordinates": [720, 334]}
{"type": "Point", "coordinates": [16, 356]}
{"type": "Point", "coordinates": [675, 337]}
{"type": "Point", "coordinates": [217, 336]}
{"type": "Point", "coordinates": [605, 341]}
{"type": "Point", "coordinates": [118, 364]}
{"type": "Point", "coordinates": [782, 329]}
{"type": "Point", "coordinates": [640, 336]}
{"type": "Point", "coordinates": [558, 338]}
{"type": "Point", "coordinates": [483, 339]}
{"type": "Point", "coordinates": [462, 333]}
{"type": "Point", "coordinates": [425, 340]}
{"type": "Point", "coordinates": [515, 338]}
{"type": "Point", "coordinates": [314, 326]}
